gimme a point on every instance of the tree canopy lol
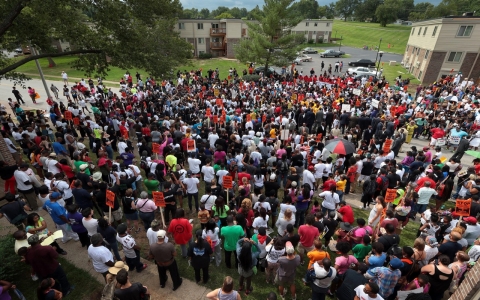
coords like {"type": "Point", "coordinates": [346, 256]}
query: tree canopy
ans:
{"type": "Point", "coordinates": [123, 33]}
{"type": "Point", "coordinates": [271, 41]}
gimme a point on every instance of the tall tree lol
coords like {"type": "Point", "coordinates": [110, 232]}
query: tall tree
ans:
{"type": "Point", "coordinates": [110, 35]}
{"type": "Point", "coordinates": [386, 13]}
{"type": "Point", "coordinates": [366, 10]}
{"type": "Point", "coordinates": [271, 41]}
{"type": "Point", "coordinates": [308, 9]}
{"type": "Point", "coordinates": [345, 8]}
{"type": "Point", "coordinates": [330, 10]}
{"type": "Point", "coordinates": [224, 15]}
{"type": "Point", "coordinates": [219, 11]}
{"type": "Point", "coordinates": [422, 11]}
{"type": "Point", "coordinates": [204, 13]}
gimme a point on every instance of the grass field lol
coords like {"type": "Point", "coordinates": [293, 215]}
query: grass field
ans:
{"type": "Point", "coordinates": [360, 34]}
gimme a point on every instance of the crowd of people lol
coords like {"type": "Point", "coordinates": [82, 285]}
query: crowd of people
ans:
{"type": "Point", "coordinates": [288, 199]}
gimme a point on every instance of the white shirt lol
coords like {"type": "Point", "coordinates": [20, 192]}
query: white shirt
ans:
{"type": "Point", "coordinates": [330, 201]}
{"type": "Point", "coordinates": [121, 147]}
{"type": "Point", "coordinates": [194, 165]}
{"type": "Point", "coordinates": [152, 237]}
{"type": "Point", "coordinates": [363, 296]}
{"type": "Point", "coordinates": [220, 174]}
{"type": "Point", "coordinates": [260, 222]}
{"type": "Point", "coordinates": [208, 200]}
{"type": "Point", "coordinates": [91, 225]}
{"type": "Point", "coordinates": [11, 146]}
{"type": "Point", "coordinates": [308, 178]}
{"type": "Point", "coordinates": [191, 184]}
{"type": "Point", "coordinates": [319, 168]}
{"type": "Point", "coordinates": [212, 138]}
{"type": "Point", "coordinates": [51, 165]}
{"type": "Point", "coordinates": [20, 178]}
{"type": "Point", "coordinates": [264, 204]}
{"type": "Point", "coordinates": [64, 188]}
{"type": "Point", "coordinates": [208, 173]}
{"type": "Point", "coordinates": [99, 256]}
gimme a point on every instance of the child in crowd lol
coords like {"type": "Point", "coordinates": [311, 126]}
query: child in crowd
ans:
{"type": "Point", "coordinates": [317, 254]}
{"type": "Point", "coordinates": [362, 250]}
{"type": "Point", "coordinates": [203, 216]}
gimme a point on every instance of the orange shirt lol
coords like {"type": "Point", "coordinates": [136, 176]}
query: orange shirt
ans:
{"type": "Point", "coordinates": [316, 255]}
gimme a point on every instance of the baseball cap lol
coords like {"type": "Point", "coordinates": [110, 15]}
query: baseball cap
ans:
{"type": "Point", "coordinates": [289, 248]}
{"type": "Point", "coordinates": [396, 263]}
{"type": "Point", "coordinates": [55, 195]}
{"type": "Point", "coordinates": [470, 220]}
{"type": "Point", "coordinates": [53, 154]}
{"type": "Point", "coordinates": [83, 167]}
{"type": "Point", "coordinates": [189, 173]}
{"type": "Point", "coordinates": [161, 234]}
{"type": "Point", "coordinates": [273, 176]}
{"type": "Point", "coordinates": [293, 184]}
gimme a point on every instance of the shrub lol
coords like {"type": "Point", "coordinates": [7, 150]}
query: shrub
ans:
{"type": "Point", "coordinates": [205, 55]}
{"type": "Point", "coordinates": [311, 41]}
{"type": "Point", "coordinates": [251, 77]}
{"type": "Point", "coordinates": [11, 266]}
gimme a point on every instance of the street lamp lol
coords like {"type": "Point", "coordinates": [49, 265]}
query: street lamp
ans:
{"type": "Point", "coordinates": [380, 53]}
{"type": "Point", "coordinates": [379, 44]}
{"type": "Point", "coordinates": [341, 37]}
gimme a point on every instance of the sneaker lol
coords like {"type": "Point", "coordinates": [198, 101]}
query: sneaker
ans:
{"type": "Point", "coordinates": [143, 268]}
{"type": "Point", "coordinates": [66, 241]}
{"type": "Point", "coordinates": [175, 288]}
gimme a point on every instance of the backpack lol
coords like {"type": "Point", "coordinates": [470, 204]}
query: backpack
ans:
{"type": "Point", "coordinates": [284, 167]}
{"type": "Point", "coordinates": [385, 183]}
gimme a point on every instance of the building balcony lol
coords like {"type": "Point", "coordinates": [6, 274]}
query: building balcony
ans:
{"type": "Point", "coordinates": [217, 45]}
{"type": "Point", "coordinates": [218, 31]}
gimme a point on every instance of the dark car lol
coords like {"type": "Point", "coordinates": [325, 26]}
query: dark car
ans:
{"type": "Point", "coordinates": [362, 63]}
{"type": "Point", "coordinates": [269, 72]}
{"type": "Point", "coordinates": [309, 51]}
{"type": "Point", "coordinates": [332, 53]}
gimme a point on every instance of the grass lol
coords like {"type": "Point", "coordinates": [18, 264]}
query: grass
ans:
{"type": "Point", "coordinates": [356, 34]}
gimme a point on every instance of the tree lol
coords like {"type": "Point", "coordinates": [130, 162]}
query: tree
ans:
{"type": "Point", "coordinates": [422, 11]}
{"type": "Point", "coordinates": [330, 10]}
{"type": "Point", "coordinates": [308, 9]}
{"type": "Point", "coordinates": [345, 8]}
{"type": "Point", "coordinates": [190, 13]}
{"type": "Point", "coordinates": [366, 10]}
{"type": "Point", "coordinates": [256, 11]}
{"type": "Point", "coordinates": [204, 13]}
{"type": "Point", "coordinates": [404, 7]}
{"type": "Point", "coordinates": [386, 13]}
{"type": "Point", "coordinates": [128, 34]}
{"type": "Point", "coordinates": [224, 15]}
{"type": "Point", "coordinates": [271, 41]}
{"type": "Point", "coordinates": [219, 11]}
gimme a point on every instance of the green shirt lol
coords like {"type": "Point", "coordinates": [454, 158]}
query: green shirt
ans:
{"type": "Point", "coordinates": [172, 161]}
{"type": "Point", "coordinates": [360, 251]}
{"type": "Point", "coordinates": [420, 121]}
{"type": "Point", "coordinates": [78, 163]}
{"type": "Point", "coordinates": [231, 235]}
{"type": "Point", "coordinates": [151, 185]}
{"type": "Point", "coordinates": [224, 214]}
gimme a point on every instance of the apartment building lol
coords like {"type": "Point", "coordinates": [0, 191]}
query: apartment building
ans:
{"type": "Point", "coordinates": [219, 37]}
{"type": "Point", "coordinates": [444, 46]}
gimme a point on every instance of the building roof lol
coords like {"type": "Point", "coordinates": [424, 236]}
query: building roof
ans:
{"type": "Point", "coordinates": [450, 20]}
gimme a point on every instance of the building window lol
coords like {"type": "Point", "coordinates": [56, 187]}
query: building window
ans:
{"type": "Point", "coordinates": [181, 25]}
{"type": "Point", "coordinates": [306, 24]}
{"type": "Point", "coordinates": [454, 56]}
{"type": "Point", "coordinates": [328, 24]}
{"type": "Point", "coordinates": [425, 31]}
{"type": "Point", "coordinates": [420, 75]}
{"type": "Point", "coordinates": [419, 30]}
{"type": "Point", "coordinates": [199, 25]}
{"type": "Point", "coordinates": [314, 32]}
{"type": "Point", "coordinates": [315, 24]}
{"type": "Point", "coordinates": [418, 51]}
{"type": "Point", "coordinates": [201, 40]}
{"type": "Point", "coordinates": [306, 32]}
{"type": "Point", "coordinates": [413, 31]}
{"type": "Point", "coordinates": [465, 30]}
{"type": "Point", "coordinates": [408, 47]}
{"type": "Point", "coordinates": [426, 54]}
{"type": "Point", "coordinates": [434, 31]}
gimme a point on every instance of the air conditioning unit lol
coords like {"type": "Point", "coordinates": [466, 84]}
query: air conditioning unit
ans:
{"type": "Point", "coordinates": [417, 64]}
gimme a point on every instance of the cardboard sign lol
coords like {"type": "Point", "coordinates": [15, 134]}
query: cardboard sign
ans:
{"type": "Point", "coordinates": [156, 148]}
{"type": "Point", "coordinates": [216, 92]}
{"type": "Point", "coordinates": [68, 115]}
{"type": "Point", "coordinates": [264, 118]}
{"type": "Point", "coordinates": [191, 146]}
{"type": "Point", "coordinates": [319, 138]}
{"type": "Point", "coordinates": [110, 199]}
{"type": "Point", "coordinates": [462, 207]}
{"type": "Point", "coordinates": [215, 119]}
{"type": "Point", "coordinates": [227, 182]}
{"type": "Point", "coordinates": [375, 103]}
{"type": "Point", "coordinates": [346, 107]}
{"type": "Point", "coordinates": [76, 121]}
{"type": "Point", "coordinates": [158, 199]}
{"type": "Point", "coordinates": [249, 118]}
{"type": "Point", "coordinates": [357, 92]}
{"type": "Point", "coordinates": [390, 195]}
{"type": "Point", "coordinates": [219, 102]}
{"type": "Point", "coordinates": [387, 145]}
{"type": "Point", "coordinates": [284, 134]}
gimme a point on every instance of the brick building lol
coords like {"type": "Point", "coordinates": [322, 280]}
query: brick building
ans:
{"type": "Point", "coordinates": [219, 37]}
{"type": "Point", "coordinates": [444, 46]}
{"type": "Point", "coordinates": [470, 287]}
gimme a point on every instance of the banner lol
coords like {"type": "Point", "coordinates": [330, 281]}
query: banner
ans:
{"type": "Point", "coordinates": [390, 195]}
{"type": "Point", "coordinates": [227, 182]}
{"type": "Point", "coordinates": [191, 146]}
{"type": "Point", "coordinates": [156, 148]}
{"type": "Point", "coordinates": [462, 207]}
{"type": "Point", "coordinates": [110, 199]}
{"type": "Point", "coordinates": [159, 199]}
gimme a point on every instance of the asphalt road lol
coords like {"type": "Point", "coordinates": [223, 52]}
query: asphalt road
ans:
{"type": "Point", "coordinates": [355, 54]}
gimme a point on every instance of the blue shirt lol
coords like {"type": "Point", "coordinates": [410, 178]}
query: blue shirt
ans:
{"type": "Point", "coordinates": [59, 148]}
{"type": "Point", "coordinates": [127, 158]}
{"type": "Point", "coordinates": [55, 210]}
{"type": "Point", "coordinates": [376, 261]}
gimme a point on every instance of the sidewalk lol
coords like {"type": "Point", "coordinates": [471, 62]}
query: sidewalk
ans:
{"type": "Point", "coordinates": [70, 79]}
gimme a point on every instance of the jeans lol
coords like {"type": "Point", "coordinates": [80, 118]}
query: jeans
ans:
{"type": "Point", "coordinates": [134, 263]}
{"type": "Point", "coordinates": [228, 255]}
{"type": "Point", "coordinates": [340, 195]}
{"type": "Point", "coordinates": [326, 211]}
{"type": "Point", "coordinates": [420, 208]}
{"type": "Point", "coordinates": [318, 293]}
{"type": "Point", "coordinates": [184, 250]}
{"type": "Point", "coordinates": [300, 217]}
{"type": "Point", "coordinates": [173, 269]}
{"type": "Point", "coordinates": [109, 152]}
{"type": "Point", "coordinates": [195, 196]}
{"type": "Point", "coordinates": [68, 233]}
{"type": "Point", "coordinates": [170, 209]}
{"type": "Point", "coordinates": [147, 218]}
{"type": "Point", "coordinates": [280, 178]}
{"type": "Point", "coordinates": [205, 274]}
{"type": "Point", "coordinates": [114, 248]}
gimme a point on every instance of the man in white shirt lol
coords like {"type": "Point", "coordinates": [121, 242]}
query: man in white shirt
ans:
{"type": "Point", "coordinates": [122, 145]}
{"type": "Point", "coordinates": [52, 164]}
{"type": "Point", "coordinates": [208, 199]}
{"type": "Point", "coordinates": [25, 187]}
{"type": "Point", "coordinates": [63, 187]}
{"type": "Point", "coordinates": [212, 138]}
{"type": "Point", "coordinates": [192, 190]}
{"type": "Point", "coordinates": [424, 195]}
{"type": "Point", "coordinates": [308, 177]}
{"type": "Point", "coordinates": [11, 148]}
{"type": "Point", "coordinates": [194, 164]}
{"type": "Point", "coordinates": [319, 169]}
{"type": "Point", "coordinates": [101, 257]}
{"type": "Point", "coordinates": [208, 172]}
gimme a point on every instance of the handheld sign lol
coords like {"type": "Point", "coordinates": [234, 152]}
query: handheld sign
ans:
{"type": "Point", "coordinates": [390, 195]}
{"type": "Point", "coordinates": [319, 138]}
{"type": "Point", "coordinates": [159, 199]}
{"type": "Point", "coordinates": [249, 118]}
{"type": "Point", "coordinates": [215, 119]}
{"type": "Point", "coordinates": [76, 121]}
{"type": "Point", "coordinates": [209, 112]}
{"type": "Point", "coordinates": [219, 102]}
{"type": "Point", "coordinates": [227, 182]}
{"type": "Point", "coordinates": [462, 207]}
{"type": "Point", "coordinates": [264, 118]}
{"type": "Point", "coordinates": [387, 145]}
{"type": "Point", "coordinates": [156, 148]}
{"type": "Point", "coordinates": [191, 146]}
{"type": "Point", "coordinates": [68, 115]}
{"type": "Point", "coordinates": [110, 199]}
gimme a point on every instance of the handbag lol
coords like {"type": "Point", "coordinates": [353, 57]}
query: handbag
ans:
{"type": "Point", "coordinates": [264, 262]}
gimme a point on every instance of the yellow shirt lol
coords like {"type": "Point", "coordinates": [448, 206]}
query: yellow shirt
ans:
{"type": "Point", "coordinates": [341, 185]}
{"type": "Point", "coordinates": [273, 134]}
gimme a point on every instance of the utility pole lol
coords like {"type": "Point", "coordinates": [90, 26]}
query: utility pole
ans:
{"type": "Point", "coordinates": [40, 72]}
{"type": "Point", "coordinates": [378, 50]}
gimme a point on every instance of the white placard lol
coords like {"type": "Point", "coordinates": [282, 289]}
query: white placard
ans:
{"type": "Point", "coordinates": [375, 103]}
{"type": "Point", "coordinates": [284, 134]}
{"type": "Point", "coordinates": [357, 92]}
{"type": "Point", "coordinates": [346, 107]}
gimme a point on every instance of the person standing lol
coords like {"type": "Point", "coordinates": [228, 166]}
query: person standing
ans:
{"type": "Point", "coordinates": [32, 93]}
{"type": "Point", "coordinates": [324, 275]}
{"type": "Point", "coordinates": [25, 186]}
{"type": "Point", "coordinates": [226, 292]}
{"type": "Point", "coordinates": [130, 249]}
{"type": "Point", "coordinates": [308, 233]}
{"type": "Point", "coordinates": [59, 217]}
{"type": "Point", "coordinates": [101, 257]}
{"type": "Point", "coordinates": [230, 235]}
{"type": "Point", "coordinates": [247, 260]}
{"type": "Point", "coordinates": [54, 90]}
{"type": "Point", "coordinates": [164, 255]}
{"type": "Point", "coordinates": [199, 253]}
{"type": "Point", "coordinates": [181, 229]}
{"type": "Point", "coordinates": [65, 78]}
{"type": "Point", "coordinates": [127, 290]}
{"type": "Point", "coordinates": [286, 271]}
{"type": "Point", "coordinates": [17, 95]}
{"type": "Point", "coordinates": [192, 185]}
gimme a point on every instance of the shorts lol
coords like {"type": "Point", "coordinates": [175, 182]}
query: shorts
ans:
{"type": "Point", "coordinates": [363, 177]}
{"type": "Point", "coordinates": [132, 216]}
{"type": "Point", "coordinates": [433, 141]}
{"type": "Point", "coordinates": [303, 249]}
{"type": "Point", "coordinates": [284, 281]}
{"type": "Point", "coordinates": [117, 214]}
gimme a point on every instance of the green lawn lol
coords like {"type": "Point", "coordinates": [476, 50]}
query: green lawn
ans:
{"type": "Point", "coordinates": [358, 34]}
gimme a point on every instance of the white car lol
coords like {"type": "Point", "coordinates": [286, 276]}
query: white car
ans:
{"type": "Point", "coordinates": [297, 61]}
{"type": "Point", "coordinates": [362, 71]}
{"type": "Point", "coordinates": [304, 57]}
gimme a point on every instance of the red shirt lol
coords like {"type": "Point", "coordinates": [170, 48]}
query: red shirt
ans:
{"type": "Point", "coordinates": [43, 260]}
{"type": "Point", "coordinates": [307, 235]}
{"type": "Point", "coordinates": [437, 133]}
{"type": "Point", "coordinates": [241, 175]}
{"type": "Point", "coordinates": [181, 230]}
{"type": "Point", "coordinates": [183, 143]}
{"type": "Point", "coordinates": [67, 170]}
{"type": "Point", "coordinates": [347, 214]}
{"type": "Point", "coordinates": [329, 183]}
{"type": "Point", "coordinates": [249, 217]}
{"type": "Point", "coordinates": [421, 183]}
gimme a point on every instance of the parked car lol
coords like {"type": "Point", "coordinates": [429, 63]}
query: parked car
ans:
{"type": "Point", "coordinates": [332, 53]}
{"type": "Point", "coordinates": [362, 71]}
{"type": "Point", "coordinates": [18, 51]}
{"type": "Point", "coordinates": [362, 63]}
{"type": "Point", "coordinates": [297, 61]}
{"type": "Point", "coordinates": [305, 57]}
{"type": "Point", "coordinates": [309, 51]}
{"type": "Point", "coordinates": [261, 69]}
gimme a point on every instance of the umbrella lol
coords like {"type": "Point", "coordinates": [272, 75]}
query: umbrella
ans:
{"type": "Point", "coordinates": [475, 154]}
{"type": "Point", "coordinates": [340, 146]}
{"type": "Point", "coordinates": [452, 98]}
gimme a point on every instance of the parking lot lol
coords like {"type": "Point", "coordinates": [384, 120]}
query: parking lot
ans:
{"type": "Point", "coordinates": [354, 53]}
